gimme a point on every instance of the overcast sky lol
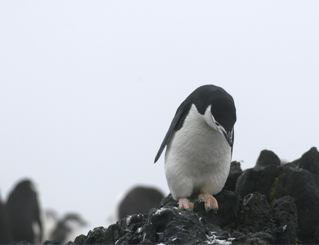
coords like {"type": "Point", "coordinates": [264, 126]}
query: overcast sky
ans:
{"type": "Point", "coordinates": [88, 88]}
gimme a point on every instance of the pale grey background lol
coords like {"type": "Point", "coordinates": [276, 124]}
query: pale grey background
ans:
{"type": "Point", "coordinates": [88, 88]}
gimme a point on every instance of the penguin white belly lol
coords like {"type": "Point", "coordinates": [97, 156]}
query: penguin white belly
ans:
{"type": "Point", "coordinates": [197, 159]}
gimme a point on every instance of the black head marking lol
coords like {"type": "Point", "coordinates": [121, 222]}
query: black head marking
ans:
{"type": "Point", "coordinates": [222, 104]}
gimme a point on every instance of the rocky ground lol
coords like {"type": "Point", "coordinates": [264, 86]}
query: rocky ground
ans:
{"type": "Point", "coordinates": [272, 203]}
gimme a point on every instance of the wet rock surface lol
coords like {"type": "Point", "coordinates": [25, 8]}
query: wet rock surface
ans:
{"type": "Point", "coordinates": [268, 204]}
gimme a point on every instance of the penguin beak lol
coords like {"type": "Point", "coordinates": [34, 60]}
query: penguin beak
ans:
{"type": "Point", "coordinates": [220, 127]}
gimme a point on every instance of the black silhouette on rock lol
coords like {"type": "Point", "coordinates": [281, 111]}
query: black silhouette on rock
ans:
{"type": "Point", "coordinates": [253, 221]}
{"type": "Point", "coordinates": [66, 226]}
{"type": "Point", "coordinates": [24, 213]}
{"type": "Point", "coordinates": [139, 199]}
{"type": "Point", "coordinates": [5, 229]}
{"type": "Point", "coordinates": [298, 179]}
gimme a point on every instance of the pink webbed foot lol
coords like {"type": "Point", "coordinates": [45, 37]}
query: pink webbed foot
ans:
{"type": "Point", "coordinates": [184, 203]}
{"type": "Point", "coordinates": [209, 201]}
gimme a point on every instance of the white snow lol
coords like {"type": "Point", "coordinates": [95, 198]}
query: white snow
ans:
{"type": "Point", "coordinates": [128, 220]}
{"type": "Point", "coordinates": [214, 240]}
{"type": "Point", "coordinates": [159, 211]}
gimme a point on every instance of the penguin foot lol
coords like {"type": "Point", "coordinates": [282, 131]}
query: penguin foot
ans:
{"type": "Point", "coordinates": [184, 203]}
{"type": "Point", "coordinates": [209, 201]}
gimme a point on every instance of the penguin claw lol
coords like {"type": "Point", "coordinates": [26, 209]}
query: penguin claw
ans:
{"type": "Point", "coordinates": [210, 202]}
{"type": "Point", "coordinates": [184, 203]}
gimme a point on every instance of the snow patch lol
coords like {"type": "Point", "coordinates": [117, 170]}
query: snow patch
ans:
{"type": "Point", "coordinates": [159, 211]}
{"type": "Point", "coordinates": [213, 239]}
{"type": "Point", "coordinates": [128, 220]}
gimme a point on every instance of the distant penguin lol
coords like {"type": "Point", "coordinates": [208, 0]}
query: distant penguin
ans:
{"type": "Point", "coordinates": [5, 229]}
{"type": "Point", "coordinates": [66, 228]}
{"type": "Point", "coordinates": [49, 222]}
{"type": "Point", "coordinates": [199, 146]}
{"type": "Point", "coordinates": [24, 213]}
{"type": "Point", "coordinates": [139, 199]}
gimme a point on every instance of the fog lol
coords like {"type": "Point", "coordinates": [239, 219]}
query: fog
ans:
{"type": "Point", "coordinates": [88, 89]}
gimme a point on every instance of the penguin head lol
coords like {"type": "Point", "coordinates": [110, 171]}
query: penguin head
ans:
{"type": "Point", "coordinates": [216, 106]}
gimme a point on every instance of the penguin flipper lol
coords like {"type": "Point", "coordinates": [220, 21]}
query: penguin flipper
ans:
{"type": "Point", "coordinates": [176, 124]}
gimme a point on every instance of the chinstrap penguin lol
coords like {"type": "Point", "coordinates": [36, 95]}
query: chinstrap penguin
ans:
{"type": "Point", "coordinates": [199, 145]}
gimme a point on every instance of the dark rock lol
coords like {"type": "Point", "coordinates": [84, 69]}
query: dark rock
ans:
{"type": "Point", "coordinates": [229, 206]}
{"type": "Point", "coordinates": [310, 161]}
{"type": "Point", "coordinates": [255, 214]}
{"type": "Point", "coordinates": [267, 158]}
{"type": "Point", "coordinates": [299, 180]}
{"type": "Point", "coordinates": [273, 204]}
{"type": "Point", "coordinates": [258, 180]}
{"type": "Point", "coordinates": [302, 186]}
{"type": "Point", "coordinates": [81, 239]}
{"type": "Point", "coordinates": [285, 214]}
{"type": "Point", "coordinates": [167, 225]}
{"type": "Point", "coordinates": [253, 223]}
{"type": "Point", "coordinates": [176, 226]}
{"type": "Point", "coordinates": [168, 202]}
{"type": "Point", "coordinates": [262, 177]}
{"type": "Point", "coordinates": [228, 210]}
{"type": "Point", "coordinates": [234, 173]}
{"type": "Point", "coordinates": [100, 235]}
{"type": "Point", "coordinates": [258, 238]}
